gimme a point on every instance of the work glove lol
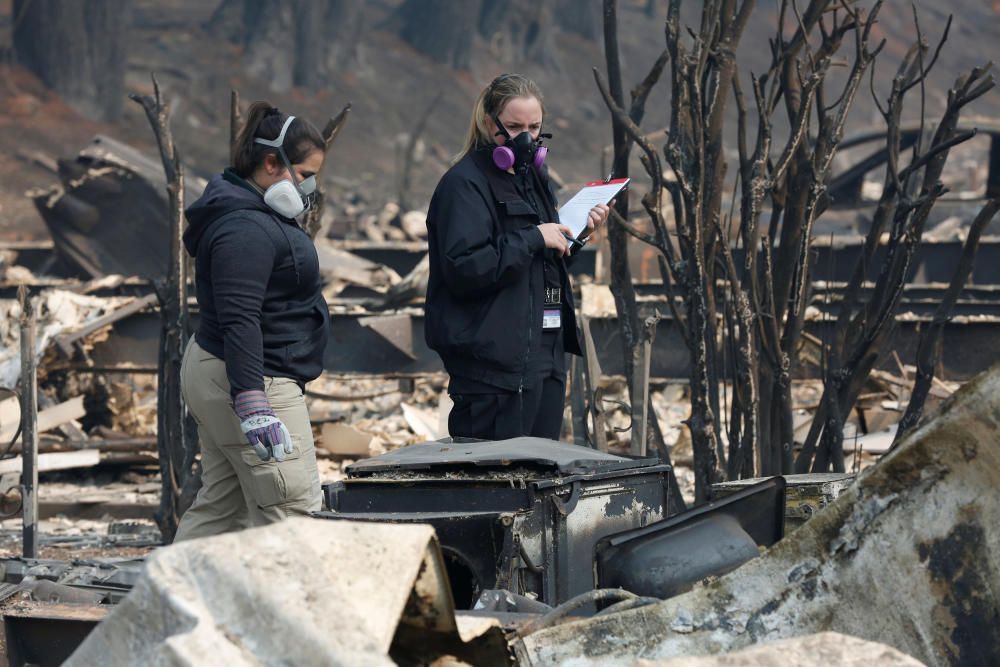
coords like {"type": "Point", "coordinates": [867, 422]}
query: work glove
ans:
{"type": "Point", "coordinates": [262, 428]}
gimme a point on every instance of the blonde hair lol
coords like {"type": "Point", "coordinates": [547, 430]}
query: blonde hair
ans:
{"type": "Point", "coordinates": [491, 102]}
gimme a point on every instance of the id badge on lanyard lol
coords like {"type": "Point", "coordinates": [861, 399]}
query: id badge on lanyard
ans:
{"type": "Point", "coordinates": [552, 313]}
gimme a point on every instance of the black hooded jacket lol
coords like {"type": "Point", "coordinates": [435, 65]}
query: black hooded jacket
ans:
{"type": "Point", "coordinates": [258, 285]}
{"type": "Point", "coordinates": [486, 287]}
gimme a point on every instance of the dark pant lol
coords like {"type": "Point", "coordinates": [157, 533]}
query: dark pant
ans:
{"type": "Point", "coordinates": [536, 411]}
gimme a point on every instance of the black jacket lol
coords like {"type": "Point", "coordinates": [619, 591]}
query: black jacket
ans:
{"type": "Point", "coordinates": [486, 288]}
{"type": "Point", "coordinates": [258, 285]}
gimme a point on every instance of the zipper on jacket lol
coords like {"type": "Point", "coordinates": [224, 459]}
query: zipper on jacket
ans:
{"type": "Point", "coordinates": [527, 352]}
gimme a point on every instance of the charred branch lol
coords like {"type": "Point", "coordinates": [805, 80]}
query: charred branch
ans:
{"type": "Point", "coordinates": [929, 349]}
{"type": "Point", "coordinates": [175, 447]}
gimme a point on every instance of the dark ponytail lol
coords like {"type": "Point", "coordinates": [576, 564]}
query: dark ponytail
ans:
{"type": "Point", "coordinates": [265, 121]}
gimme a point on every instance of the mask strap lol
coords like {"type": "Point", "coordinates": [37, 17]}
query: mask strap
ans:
{"type": "Point", "coordinates": [503, 130]}
{"type": "Point", "coordinates": [279, 143]}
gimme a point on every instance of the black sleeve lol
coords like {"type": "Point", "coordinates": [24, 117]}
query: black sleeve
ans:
{"type": "Point", "coordinates": [474, 260]}
{"type": "Point", "coordinates": [242, 256]}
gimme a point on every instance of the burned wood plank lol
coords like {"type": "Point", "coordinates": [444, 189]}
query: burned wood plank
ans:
{"type": "Point", "coordinates": [593, 376]}
{"type": "Point", "coordinates": [29, 426]}
{"type": "Point", "coordinates": [95, 510]}
{"type": "Point", "coordinates": [67, 340]}
{"type": "Point", "coordinates": [84, 458]}
{"type": "Point", "coordinates": [50, 418]}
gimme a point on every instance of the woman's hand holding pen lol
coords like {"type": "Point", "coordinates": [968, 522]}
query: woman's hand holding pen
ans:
{"type": "Point", "coordinates": [559, 238]}
{"type": "Point", "coordinates": [556, 236]}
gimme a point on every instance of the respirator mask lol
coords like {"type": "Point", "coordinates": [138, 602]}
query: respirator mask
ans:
{"type": "Point", "coordinates": [288, 197]}
{"type": "Point", "coordinates": [519, 151]}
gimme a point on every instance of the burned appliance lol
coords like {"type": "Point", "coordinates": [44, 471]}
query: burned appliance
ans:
{"type": "Point", "coordinates": [523, 514]}
{"type": "Point", "coordinates": [668, 557]}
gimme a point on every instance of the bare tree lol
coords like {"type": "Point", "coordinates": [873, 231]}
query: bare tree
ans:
{"type": "Point", "coordinates": [580, 18]}
{"type": "Point", "coordinates": [520, 31]}
{"type": "Point", "coordinates": [330, 132]}
{"type": "Point", "coordinates": [77, 48]}
{"type": "Point", "coordinates": [514, 31]}
{"type": "Point", "coordinates": [756, 306]}
{"type": "Point", "coordinates": [441, 29]}
{"type": "Point", "coordinates": [865, 328]}
{"type": "Point", "coordinates": [633, 335]}
{"type": "Point", "coordinates": [176, 448]}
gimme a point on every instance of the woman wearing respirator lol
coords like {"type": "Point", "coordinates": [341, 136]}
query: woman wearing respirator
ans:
{"type": "Point", "coordinates": [263, 329]}
{"type": "Point", "coordinates": [499, 307]}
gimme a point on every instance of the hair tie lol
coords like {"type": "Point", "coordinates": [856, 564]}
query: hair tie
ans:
{"type": "Point", "coordinates": [273, 111]}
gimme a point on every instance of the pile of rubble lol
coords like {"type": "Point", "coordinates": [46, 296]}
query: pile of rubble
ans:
{"type": "Point", "coordinates": [392, 597]}
{"type": "Point", "coordinates": [820, 595]}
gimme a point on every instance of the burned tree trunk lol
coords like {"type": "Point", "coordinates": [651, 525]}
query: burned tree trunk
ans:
{"type": "Point", "coordinates": [313, 221]}
{"type": "Point", "coordinates": [521, 31]}
{"type": "Point", "coordinates": [179, 476]}
{"type": "Point", "coordinates": [759, 305]}
{"type": "Point", "coordinates": [77, 48]}
{"type": "Point", "coordinates": [515, 31]}
{"type": "Point", "coordinates": [327, 35]}
{"type": "Point", "coordinates": [865, 328]}
{"type": "Point", "coordinates": [440, 29]}
{"type": "Point", "coordinates": [633, 338]}
{"type": "Point", "coordinates": [299, 43]}
{"type": "Point", "coordinates": [580, 18]}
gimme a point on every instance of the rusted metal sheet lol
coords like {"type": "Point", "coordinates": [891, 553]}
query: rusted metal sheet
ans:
{"type": "Point", "coordinates": [357, 349]}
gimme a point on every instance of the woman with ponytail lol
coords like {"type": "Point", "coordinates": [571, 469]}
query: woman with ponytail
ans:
{"type": "Point", "coordinates": [499, 307]}
{"type": "Point", "coordinates": [263, 329]}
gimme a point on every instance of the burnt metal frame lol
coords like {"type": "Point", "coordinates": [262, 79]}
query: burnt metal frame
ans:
{"type": "Point", "coordinates": [507, 498]}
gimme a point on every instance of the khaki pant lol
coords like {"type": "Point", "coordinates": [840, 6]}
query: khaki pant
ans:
{"type": "Point", "coordinates": [238, 489]}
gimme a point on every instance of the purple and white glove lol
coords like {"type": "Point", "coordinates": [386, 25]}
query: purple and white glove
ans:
{"type": "Point", "coordinates": [262, 428]}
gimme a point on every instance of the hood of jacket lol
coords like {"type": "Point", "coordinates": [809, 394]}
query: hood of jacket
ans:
{"type": "Point", "coordinates": [225, 193]}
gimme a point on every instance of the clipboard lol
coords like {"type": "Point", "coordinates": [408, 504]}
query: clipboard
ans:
{"type": "Point", "coordinates": [573, 214]}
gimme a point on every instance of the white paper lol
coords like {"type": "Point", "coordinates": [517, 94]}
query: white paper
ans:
{"type": "Point", "coordinates": [574, 213]}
